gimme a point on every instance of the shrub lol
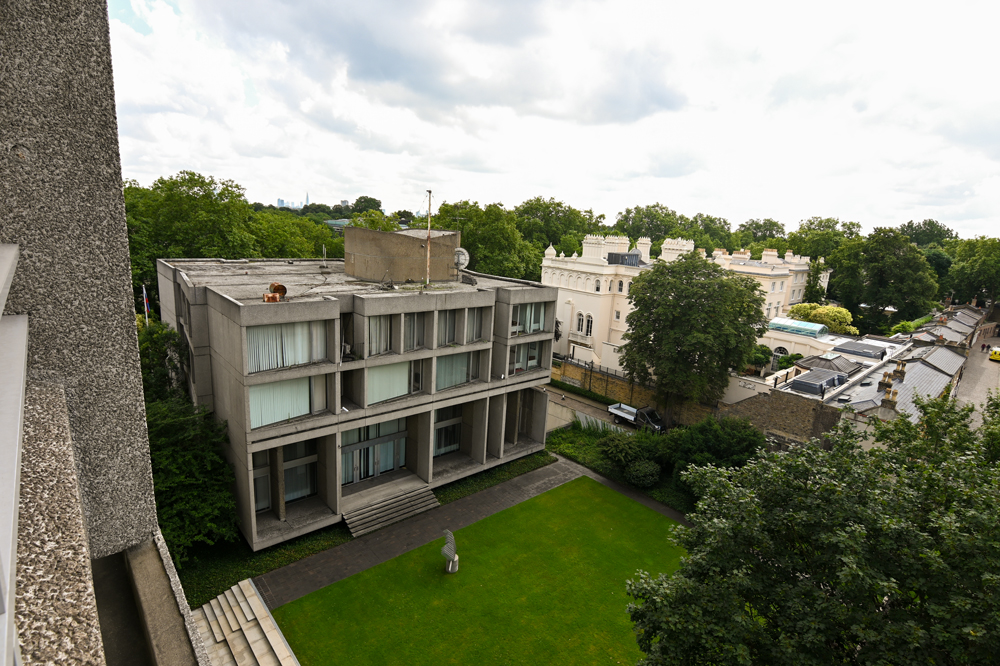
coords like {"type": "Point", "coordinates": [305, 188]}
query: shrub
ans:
{"type": "Point", "coordinates": [642, 473]}
{"type": "Point", "coordinates": [902, 327]}
{"type": "Point", "coordinates": [621, 448]}
{"type": "Point", "coordinates": [785, 362]}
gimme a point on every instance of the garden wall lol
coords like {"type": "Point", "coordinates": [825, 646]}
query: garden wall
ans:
{"type": "Point", "coordinates": [786, 417]}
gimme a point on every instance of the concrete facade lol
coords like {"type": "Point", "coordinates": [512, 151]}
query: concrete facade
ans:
{"type": "Point", "coordinates": [593, 288]}
{"type": "Point", "coordinates": [493, 416]}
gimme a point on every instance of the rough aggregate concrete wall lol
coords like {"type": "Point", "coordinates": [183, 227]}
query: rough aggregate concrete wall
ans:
{"type": "Point", "coordinates": [376, 255]}
{"type": "Point", "coordinates": [785, 416]}
{"type": "Point", "coordinates": [61, 202]}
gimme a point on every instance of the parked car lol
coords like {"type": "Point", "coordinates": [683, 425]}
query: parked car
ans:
{"type": "Point", "coordinates": [643, 417]}
{"type": "Point", "coordinates": [995, 353]}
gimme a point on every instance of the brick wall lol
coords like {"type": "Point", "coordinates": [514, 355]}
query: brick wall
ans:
{"type": "Point", "coordinates": [784, 416]}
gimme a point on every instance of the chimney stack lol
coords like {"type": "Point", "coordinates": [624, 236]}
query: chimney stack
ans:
{"type": "Point", "coordinates": [900, 371]}
{"type": "Point", "coordinates": [885, 384]}
{"type": "Point", "coordinates": [889, 400]}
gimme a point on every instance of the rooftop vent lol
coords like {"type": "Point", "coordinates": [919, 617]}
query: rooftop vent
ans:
{"type": "Point", "coordinates": [623, 258]}
{"type": "Point", "coordinates": [844, 397]}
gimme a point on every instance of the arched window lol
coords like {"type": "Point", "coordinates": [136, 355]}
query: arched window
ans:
{"type": "Point", "coordinates": [629, 288]}
{"type": "Point", "coordinates": [597, 286]}
{"type": "Point", "coordinates": [579, 322]}
{"type": "Point", "coordinates": [590, 326]}
{"type": "Point", "coordinates": [621, 286]}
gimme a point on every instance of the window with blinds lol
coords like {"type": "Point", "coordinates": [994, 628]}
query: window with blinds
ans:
{"type": "Point", "coordinates": [279, 401]}
{"type": "Point", "coordinates": [413, 331]}
{"type": "Point", "coordinates": [527, 318]}
{"type": "Point", "coordinates": [457, 369]}
{"type": "Point", "coordinates": [474, 325]}
{"type": "Point", "coordinates": [284, 345]}
{"type": "Point", "coordinates": [447, 322]}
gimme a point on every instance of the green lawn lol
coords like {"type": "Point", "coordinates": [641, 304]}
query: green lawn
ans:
{"type": "Point", "coordinates": [540, 583]}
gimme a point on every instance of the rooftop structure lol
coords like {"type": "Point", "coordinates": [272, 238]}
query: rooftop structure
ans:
{"type": "Point", "coordinates": [799, 327]}
{"type": "Point", "coordinates": [830, 361]}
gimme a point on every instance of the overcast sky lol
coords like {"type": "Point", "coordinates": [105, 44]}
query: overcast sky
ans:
{"type": "Point", "coordinates": [873, 112]}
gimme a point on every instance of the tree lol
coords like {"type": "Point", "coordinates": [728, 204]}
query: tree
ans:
{"type": "Point", "coordinates": [838, 320]}
{"type": "Point", "coordinates": [840, 556]}
{"type": "Point", "coordinates": [814, 291]}
{"type": "Point", "coordinates": [787, 361]}
{"type": "Point", "coordinates": [375, 220]}
{"type": "Point", "coordinates": [939, 260]}
{"type": "Point", "coordinates": [404, 216]}
{"type": "Point", "coordinates": [162, 356]}
{"type": "Point", "coordinates": [655, 222]}
{"type": "Point", "coordinates": [760, 356]}
{"type": "Point", "coordinates": [927, 232]}
{"type": "Point", "coordinates": [725, 442]}
{"type": "Point", "coordinates": [976, 272]}
{"type": "Point", "coordinates": [547, 221]}
{"type": "Point", "coordinates": [821, 236]}
{"type": "Point", "coordinates": [761, 230]}
{"type": "Point", "coordinates": [490, 235]}
{"type": "Point", "coordinates": [363, 203]}
{"type": "Point", "coordinates": [691, 322]}
{"type": "Point", "coordinates": [280, 234]}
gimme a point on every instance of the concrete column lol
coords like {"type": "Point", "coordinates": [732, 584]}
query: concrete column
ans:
{"type": "Point", "coordinates": [477, 412]}
{"type": "Point", "coordinates": [276, 460]}
{"type": "Point", "coordinates": [396, 333]}
{"type": "Point", "coordinates": [539, 413]}
{"type": "Point", "coordinates": [333, 340]}
{"type": "Point", "coordinates": [461, 317]}
{"type": "Point", "coordinates": [421, 438]}
{"type": "Point", "coordinates": [328, 472]}
{"type": "Point", "coordinates": [494, 435]}
{"type": "Point", "coordinates": [431, 386]}
{"type": "Point", "coordinates": [513, 418]}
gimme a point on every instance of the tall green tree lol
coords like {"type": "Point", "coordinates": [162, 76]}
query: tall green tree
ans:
{"type": "Point", "coordinates": [814, 291]}
{"type": "Point", "coordinates": [838, 320]}
{"type": "Point", "coordinates": [365, 203]}
{"type": "Point", "coordinates": [655, 222]}
{"type": "Point", "coordinates": [941, 262]}
{"type": "Point", "coordinates": [976, 272]}
{"type": "Point", "coordinates": [691, 322]}
{"type": "Point", "coordinates": [490, 234]}
{"type": "Point", "coordinates": [761, 230]}
{"type": "Point", "coordinates": [927, 232]}
{"type": "Point", "coordinates": [840, 556]}
{"type": "Point", "coordinates": [821, 236]}
{"type": "Point", "coordinates": [547, 221]}
{"type": "Point", "coordinates": [375, 220]}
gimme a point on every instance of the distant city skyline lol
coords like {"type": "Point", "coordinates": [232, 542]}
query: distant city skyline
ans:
{"type": "Point", "coordinates": [785, 112]}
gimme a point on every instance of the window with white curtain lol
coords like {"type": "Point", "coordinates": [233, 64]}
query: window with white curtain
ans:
{"type": "Point", "coordinates": [379, 334]}
{"type": "Point", "coordinates": [474, 325]}
{"type": "Point", "coordinates": [457, 369]}
{"type": "Point", "coordinates": [527, 318]}
{"type": "Point", "coordinates": [386, 382]}
{"type": "Point", "coordinates": [279, 401]}
{"type": "Point", "coordinates": [371, 450]}
{"type": "Point", "coordinates": [413, 331]}
{"type": "Point", "coordinates": [447, 322]}
{"type": "Point", "coordinates": [284, 345]}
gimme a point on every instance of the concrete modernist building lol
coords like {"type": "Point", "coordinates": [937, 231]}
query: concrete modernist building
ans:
{"type": "Point", "coordinates": [593, 287]}
{"type": "Point", "coordinates": [361, 389]}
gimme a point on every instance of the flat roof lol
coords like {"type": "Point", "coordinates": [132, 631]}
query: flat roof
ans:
{"type": "Point", "coordinates": [246, 280]}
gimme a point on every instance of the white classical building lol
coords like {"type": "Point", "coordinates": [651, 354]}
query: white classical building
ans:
{"type": "Point", "coordinates": [593, 288]}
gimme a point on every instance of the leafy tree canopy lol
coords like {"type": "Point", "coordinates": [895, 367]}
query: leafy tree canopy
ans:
{"type": "Point", "coordinates": [838, 320]}
{"type": "Point", "coordinates": [547, 221]}
{"type": "Point", "coordinates": [815, 291]}
{"type": "Point", "coordinates": [365, 203]}
{"type": "Point", "coordinates": [375, 220]}
{"type": "Point", "coordinates": [491, 236]}
{"type": "Point", "coordinates": [691, 322]}
{"type": "Point", "coordinates": [761, 230]}
{"type": "Point", "coordinates": [840, 556]}
{"type": "Point", "coordinates": [927, 232]}
{"type": "Point", "coordinates": [820, 236]}
{"type": "Point", "coordinates": [976, 272]}
{"type": "Point", "coordinates": [760, 356]}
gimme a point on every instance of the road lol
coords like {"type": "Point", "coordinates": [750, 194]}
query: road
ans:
{"type": "Point", "coordinates": [981, 375]}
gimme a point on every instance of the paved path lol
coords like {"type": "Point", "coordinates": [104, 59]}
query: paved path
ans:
{"type": "Point", "coordinates": [298, 579]}
{"type": "Point", "coordinates": [979, 377]}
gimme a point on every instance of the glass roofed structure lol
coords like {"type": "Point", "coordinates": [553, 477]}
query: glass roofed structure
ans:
{"type": "Point", "coordinates": [798, 327]}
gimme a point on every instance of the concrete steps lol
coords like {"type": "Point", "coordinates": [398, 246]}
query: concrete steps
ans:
{"type": "Point", "coordinates": [389, 511]}
{"type": "Point", "coordinates": [238, 630]}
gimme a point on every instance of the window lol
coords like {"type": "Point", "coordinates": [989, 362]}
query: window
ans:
{"type": "Point", "coordinates": [782, 287]}
{"type": "Point", "coordinates": [386, 382]}
{"type": "Point", "coordinates": [285, 345]}
{"type": "Point", "coordinates": [413, 331]}
{"type": "Point", "coordinates": [372, 450]}
{"type": "Point", "coordinates": [379, 334]}
{"type": "Point", "coordinates": [579, 322]}
{"type": "Point", "coordinates": [457, 369]}
{"type": "Point", "coordinates": [447, 430]}
{"type": "Point", "coordinates": [447, 320]}
{"type": "Point", "coordinates": [621, 286]}
{"type": "Point", "coordinates": [474, 325]}
{"type": "Point", "coordinates": [279, 401]}
{"type": "Point", "coordinates": [597, 286]}
{"type": "Point", "coordinates": [300, 463]}
{"type": "Point", "coordinates": [618, 315]}
{"type": "Point", "coordinates": [524, 357]}
{"type": "Point", "coordinates": [768, 310]}
{"type": "Point", "coordinates": [590, 326]}
{"type": "Point", "coordinates": [261, 481]}
{"type": "Point", "coordinates": [527, 318]}
{"type": "Point", "coordinates": [773, 284]}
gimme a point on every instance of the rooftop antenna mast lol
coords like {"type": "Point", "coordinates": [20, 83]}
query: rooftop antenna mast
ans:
{"type": "Point", "coordinates": [427, 282]}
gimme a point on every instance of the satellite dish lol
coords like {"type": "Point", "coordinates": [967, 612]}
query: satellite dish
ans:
{"type": "Point", "coordinates": [461, 257]}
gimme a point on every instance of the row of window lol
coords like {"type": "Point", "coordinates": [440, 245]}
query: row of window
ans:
{"type": "Point", "coordinates": [290, 398]}
{"type": "Point", "coordinates": [365, 453]}
{"type": "Point", "coordinates": [621, 286]}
